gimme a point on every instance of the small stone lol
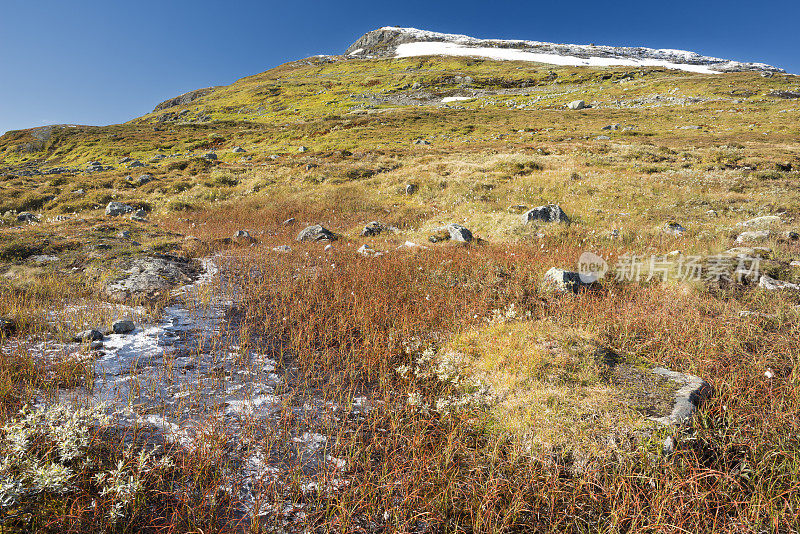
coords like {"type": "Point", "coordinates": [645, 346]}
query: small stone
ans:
{"type": "Point", "coordinates": [238, 150]}
{"type": "Point", "coordinates": [302, 149]}
{"type": "Point", "coordinates": [792, 236]}
{"type": "Point", "coordinates": [576, 104]}
{"type": "Point", "coordinates": [123, 327]}
{"type": "Point", "coordinates": [366, 250]}
{"type": "Point", "coordinates": [602, 138]}
{"type": "Point", "coordinates": [287, 222]}
{"type": "Point", "coordinates": [241, 233]}
{"type": "Point", "coordinates": [283, 249]}
{"type": "Point", "coordinates": [210, 156]}
{"type": "Point", "coordinates": [125, 234]}
{"type": "Point", "coordinates": [411, 189]}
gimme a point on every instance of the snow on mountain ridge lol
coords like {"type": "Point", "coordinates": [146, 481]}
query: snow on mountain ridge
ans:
{"type": "Point", "coordinates": [391, 41]}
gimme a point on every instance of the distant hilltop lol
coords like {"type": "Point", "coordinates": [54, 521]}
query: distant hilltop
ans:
{"type": "Point", "coordinates": [408, 42]}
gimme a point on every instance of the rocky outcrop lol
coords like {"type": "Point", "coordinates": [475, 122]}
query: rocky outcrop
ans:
{"type": "Point", "coordinates": [385, 41]}
{"type": "Point", "coordinates": [185, 98]}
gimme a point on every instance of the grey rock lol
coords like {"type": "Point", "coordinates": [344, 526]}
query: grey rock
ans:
{"type": "Point", "coordinates": [135, 163]}
{"type": "Point", "coordinates": [149, 276]}
{"type": "Point", "coordinates": [421, 142]}
{"type": "Point", "coordinates": [282, 249]}
{"type": "Point", "coordinates": [144, 178]}
{"type": "Point", "coordinates": [548, 213]}
{"type": "Point", "coordinates": [562, 281]}
{"type": "Point", "coordinates": [27, 217]}
{"type": "Point", "coordinates": [760, 222]}
{"type": "Point", "coordinates": [302, 149]}
{"type": "Point", "coordinates": [411, 189]}
{"type": "Point", "coordinates": [238, 150]}
{"type": "Point", "coordinates": [773, 284]}
{"type": "Point", "coordinates": [289, 221]}
{"type": "Point", "coordinates": [612, 127]}
{"type": "Point", "coordinates": [459, 233]}
{"type": "Point", "coordinates": [372, 229]}
{"type": "Point", "coordinates": [602, 138]}
{"type": "Point", "coordinates": [124, 234]}
{"type": "Point", "coordinates": [576, 104]}
{"type": "Point", "coordinates": [791, 236]}
{"type": "Point", "coordinates": [687, 398]}
{"type": "Point", "coordinates": [96, 345]}
{"type": "Point", "coordinates": [242, 234]}
{"type": "Point", "coordinates": [185, 98]}
{"type": "Point", "coordinates": [753, 235]}
{"type": "Point", "coordinates": [123, 327]}
{"type": "Point", "coordinates": [674, 228]}
{"type": "Point", "coordinates": [115, 209]}
{"type": "Point", "coordinates": [88, 335]}
{"type": "Point", "coordinates": [210, 156]}
{"type": "Point", "coordinates": [316, 232]}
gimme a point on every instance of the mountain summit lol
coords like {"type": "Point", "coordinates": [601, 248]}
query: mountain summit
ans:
{"type": "Point", "coordinates": [407, 42]}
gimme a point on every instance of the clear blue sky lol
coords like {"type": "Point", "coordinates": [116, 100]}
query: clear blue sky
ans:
{"type": "Point", "coordinates": [93, 62]}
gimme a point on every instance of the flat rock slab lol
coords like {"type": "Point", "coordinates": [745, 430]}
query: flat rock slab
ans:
{"type": "Point", "coordinates": [150, 276]}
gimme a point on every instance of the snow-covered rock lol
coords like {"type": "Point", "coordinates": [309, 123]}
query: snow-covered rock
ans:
{"type": "Point", "coordinates": [410, 42]}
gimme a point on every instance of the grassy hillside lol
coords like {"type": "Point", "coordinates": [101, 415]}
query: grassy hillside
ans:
{"type": "Point", "coordinates": [492, 411]}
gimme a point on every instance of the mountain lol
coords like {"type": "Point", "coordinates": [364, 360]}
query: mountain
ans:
{"type": "Point", "coordinates": [408, 42]}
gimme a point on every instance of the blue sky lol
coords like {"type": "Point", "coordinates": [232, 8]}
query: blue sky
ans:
{"type": "Point", "coordinates": [93, 62]}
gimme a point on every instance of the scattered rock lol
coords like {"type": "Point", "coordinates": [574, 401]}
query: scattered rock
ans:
{"type": "Point", "coordinates": [576, 104]}
{"type": "Point", "coordinates": [459, 233]}
{"type": "Point", "coordinates": [366, 250]}
{"type": "Point", "coordinates": [88, 335]}
{"type": "Point", "coordinates": [27, 217]}
{"type": "Point", "coordinates": [548, 213]}
{"type": "Point", "coordinates": [372, 229]}
{"type": "Point", "coordinates": [149, 276]}
{"type": "Point", "coordinates": [564, 281]}
{"type": "Point", "coordinates": [753, 235]}
{"type": "Point", "coordinates": [760, 222]}
{"type": "Point", "coordinates": [772, 284]}
{"type": "Point", "coordinates": [7, 326]}
{"type": "Point", "coordinates": [674, 228]}
{"type": "Point", "coordinates": [687, 398]}
{"type": "Point", "coordinates": [115, 209]}
{"type": "Point", "coordinates": [123, 327]}
{"type": "Point", "coordinates": [316, 232]}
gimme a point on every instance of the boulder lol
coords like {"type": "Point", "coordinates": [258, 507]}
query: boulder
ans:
{"type": "Point", "coordinates": [459, 233]}
{"type": "Point", "coordinates": [123, 327]}
{"type": "Point", "coordinates": [576, 104]}
{"type": "Point", "coordinates": [562, 281]}
{"type": "Point", "coordinates": [548, 213]}
{"type": "Point", "coordinates": [115, 209]}
{"type": "Point", "coordinates": [316, 232]}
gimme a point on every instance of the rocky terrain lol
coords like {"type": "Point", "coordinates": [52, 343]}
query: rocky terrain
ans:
{"type": "Point", "coordinates": [478, 288]}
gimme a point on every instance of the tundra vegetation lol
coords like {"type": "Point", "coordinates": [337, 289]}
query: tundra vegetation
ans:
{"type": "Point", "coordinates": [462, 395]}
